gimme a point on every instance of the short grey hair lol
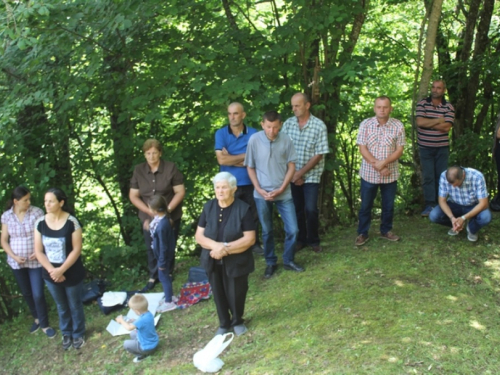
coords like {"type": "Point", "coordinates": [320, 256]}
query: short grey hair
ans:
{"type": "Point", "coordinates": [225, 176]}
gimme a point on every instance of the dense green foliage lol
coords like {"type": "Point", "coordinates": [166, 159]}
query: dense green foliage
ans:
{"type": "Point", "coordinates": [84, 83]}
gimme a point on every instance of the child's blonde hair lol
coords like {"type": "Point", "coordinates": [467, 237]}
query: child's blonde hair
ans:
{"type": "Point", "coordinates": [139, 303]}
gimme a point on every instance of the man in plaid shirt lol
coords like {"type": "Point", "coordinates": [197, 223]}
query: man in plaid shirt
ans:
{"type": "Point", "coordinates": [381, 140]}
{"type": "Point", "coordinates": [310, 139]}
{"type": "Point", "coordinates": [462, 196]}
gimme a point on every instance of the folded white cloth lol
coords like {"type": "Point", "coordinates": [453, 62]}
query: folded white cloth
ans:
{"type": "Point", "coordinates": [113, 298]}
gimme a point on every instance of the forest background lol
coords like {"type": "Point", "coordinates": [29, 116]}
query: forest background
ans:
{"type": "Point", "coordinates": [84, 83]}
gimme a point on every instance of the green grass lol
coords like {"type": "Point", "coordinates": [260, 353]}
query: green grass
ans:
{"type": "Point", "coordinates": [426, 305]}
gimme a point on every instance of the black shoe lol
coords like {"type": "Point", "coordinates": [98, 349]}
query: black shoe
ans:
{"type": "Point", "coordinates": [270, 270]}
{"type": "Point", "coordinates": [299, 246]}
{"type": "Point", "coordinates": [78, 342]}
{"type": "Point", "coordinates": [66, 343]}
{"type": "Point", "coordinates": [293, 267]}
{"type": "Point", "coordinates": [149, 286]}
{"type": "Point", "coordinates": [257, 250]}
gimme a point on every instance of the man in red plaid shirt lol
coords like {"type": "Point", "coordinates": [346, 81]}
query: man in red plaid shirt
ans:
{"type": "Point", "coordinates": [381, 140]}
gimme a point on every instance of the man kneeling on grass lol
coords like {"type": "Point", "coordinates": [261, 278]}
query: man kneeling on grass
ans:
{"type": "Point", "coordinates": [143, 337]}
{"type": "Point", "coordinates": [462, 197]}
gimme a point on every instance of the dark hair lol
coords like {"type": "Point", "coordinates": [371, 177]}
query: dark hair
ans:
{"type": "Point", "coordinates": [158, 203]}
{"type": "Point", "coordinates": [60, 196]}
{"type": "Point", "coordinates": [271, 116]}
{"type": "Point", "coordinates": [17, 194]}
{"type": "Point", "coordinates": [454, 173]}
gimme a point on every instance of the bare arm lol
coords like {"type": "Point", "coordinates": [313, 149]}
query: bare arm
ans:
{"type": "Point", "coordinates": [6, 245]}
{"type": "Point", "coordinates": [429, 123]}
{"type": "Point", "coordinates": [224, 158]}
{"type": "Point", "coordinates": [179, 193]}
{"type": "Point", "coordinates": [128, 326]}
{"type": "Point", "coordinates": [76, 243]}
{"type": "Point", "coordinates": [135, 197]}
{"type": "Point", "coordinates": [253, 177]}
{"type": "Point", "coordinates": [307, 167]}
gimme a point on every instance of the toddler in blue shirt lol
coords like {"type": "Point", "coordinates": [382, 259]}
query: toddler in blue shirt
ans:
{"type": "Point", "coordinates": [143, 337]}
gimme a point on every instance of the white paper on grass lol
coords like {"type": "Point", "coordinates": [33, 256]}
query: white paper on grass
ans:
{"type": "Point", "coordinates": [116, 329]}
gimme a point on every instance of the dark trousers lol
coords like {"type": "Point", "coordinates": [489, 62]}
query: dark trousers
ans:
{"type": "Point", "coordinates": [229, 294]}
{"type": "Point", "coordinates": [368, 194]}
{"type": "Point", "coordinates": [497, 161]}
{"type": "Point", "coordinates": [434, 161]}
{"type": "Point", "coordinates": [152, 262]}
{"type": "Point", "coordinates": [31, 284]}
{"type": "Point", "coordinates": [245, 193]}
{"type": "Point", "coordinates": [305, 199]}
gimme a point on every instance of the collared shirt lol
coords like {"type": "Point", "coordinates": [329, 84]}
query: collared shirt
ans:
{"type": "Point", "coordinates": [432, 137]}
{"type": "Point", "coordinates": [270, 160]}
{"type": "Point", "coordinates": [161, 182]}
{"type": "Point", "coordinates": [381, 141]}
{"type": "Point", "coordinates": [472, 189]}
{"type": "Point", "coordinates": [224, 138]}
{"type": "Point", "coordinates": [309, 141]}
{"type": "Point", "coordinates": [21, 238]}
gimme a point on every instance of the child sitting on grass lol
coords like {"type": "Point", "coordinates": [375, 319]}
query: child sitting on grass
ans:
{"type": "Point", "coordinates": [144, 339]}
{"type": "Point", "coordinates": [163, 244]}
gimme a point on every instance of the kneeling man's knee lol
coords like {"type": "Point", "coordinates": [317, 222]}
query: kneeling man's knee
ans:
{"type": "Point", "coordinates": [435, 214]}
{"type": "Point", "coordinates": [484, 217]}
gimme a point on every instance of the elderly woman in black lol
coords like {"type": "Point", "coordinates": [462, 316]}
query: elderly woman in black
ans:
{"type": "Point", "coordinates": [226, 231]}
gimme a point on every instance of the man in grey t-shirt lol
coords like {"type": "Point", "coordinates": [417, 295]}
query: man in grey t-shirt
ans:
{"type": "Point", "coordinates": [270, 160]}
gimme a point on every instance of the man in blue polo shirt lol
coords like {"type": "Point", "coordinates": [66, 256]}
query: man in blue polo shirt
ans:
{"type": "Point", "coordinates": [230, 148]}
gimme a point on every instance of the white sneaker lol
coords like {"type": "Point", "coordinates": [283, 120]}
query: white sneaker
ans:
{"type": "Point", "coordinates": [166, 306]}
{"type": "Point", "coordinates": [451, 232]}
{"type": "Point", "coordinates": [470, 236]}
{"type": "Point", "coordinates": [174, 300]}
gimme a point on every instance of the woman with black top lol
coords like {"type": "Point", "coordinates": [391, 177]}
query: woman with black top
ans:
{"type": "Point", "coordinates": [226, 231]}
{"type": "Point", "coordinates": [58, 247]}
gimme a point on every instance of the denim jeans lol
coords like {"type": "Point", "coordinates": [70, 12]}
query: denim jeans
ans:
{"type": "Point", "coordinates": [31, 284]}
{"type": "Point", "coordinates": [69, 304]}
{"type": "Point", "coordinates": [287, 212]}
{"type": "Point", "coordinates": [368, 194]}
{"type": "Point", "coordinates": [305, 200]}
{"type": "Point", "coordinates": [166, 283]}
{"type": "Point", "coordinates": [482, 219]}
{"type": "Point", "coordinates": [434, 161]}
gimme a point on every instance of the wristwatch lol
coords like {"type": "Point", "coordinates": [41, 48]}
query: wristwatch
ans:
{"type": "Point", "coordinates": [463, 217]}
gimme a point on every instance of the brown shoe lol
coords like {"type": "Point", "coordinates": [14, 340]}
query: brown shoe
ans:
{"type": "Point", "coordinates": [317, 249]}
{"type": "Point", "coordinates": [361, 240]}
{"type": "Point", "coordinates": [390, 236]}
{"type": "Point", "coordinates": [299, 246]}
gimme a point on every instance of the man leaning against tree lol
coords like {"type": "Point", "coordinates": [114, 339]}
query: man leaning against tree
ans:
{"type": "Point", "coordinates": [434, 118]}
{"type": "Point", "coordinates": [381, 140]}
{"type": "Point", "coordinates": [462, 197]}
{"type": "Point", "coordinates": [310, 139]}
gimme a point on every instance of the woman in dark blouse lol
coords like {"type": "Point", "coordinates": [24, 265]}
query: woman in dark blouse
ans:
{"type": "Point", "coordinates": [156, 177]}
{"type": "Point", "coordinates": [226, 231]}
{"type": "Point", "coordinates": [58, 247]}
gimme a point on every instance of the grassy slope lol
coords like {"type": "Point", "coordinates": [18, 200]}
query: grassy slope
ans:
{"type": "Point", "coordinates": [426, 305]}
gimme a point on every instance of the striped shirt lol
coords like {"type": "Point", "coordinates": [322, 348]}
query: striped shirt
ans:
{"type": "Point", "coordinates": [381, 141]}
{"type": "Point", "coordinates": [468, 193]}
{"type": "Point", "coordinates": [21, 236]}
{"type": "Point", "coordinates": [432, 137]}
{"type": "Point", "coordinates": [309, 141]}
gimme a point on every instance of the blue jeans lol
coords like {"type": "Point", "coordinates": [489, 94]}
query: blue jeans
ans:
{"type": "Point", "coordinates": [305, 200]}
{"type": "Point", "coordinates": [368, 194]}
{"type": "Point", "coordinates": [31, 284]}
{"type": "Point", "coordinates": [69, 304]}
{"type": "Point", "coordinates": [434, 161]}
{"type": "Point", "coordinates": [166, 283]}
{"type": "Point", "coordinates": [482, 219]}
{"type": "Point", "coordinates": [287, 212]}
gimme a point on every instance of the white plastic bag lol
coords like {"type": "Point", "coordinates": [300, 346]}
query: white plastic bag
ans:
{"type": "Point", "coordinates": [206, 359]}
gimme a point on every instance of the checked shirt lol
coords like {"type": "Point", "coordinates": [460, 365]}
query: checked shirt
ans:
{"type": "Point", "coordinates": [469, 192]}
{"type": "Point", "coordinates": [309, 141]}
{"type": "Point", "coordinates": [381, 141]}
